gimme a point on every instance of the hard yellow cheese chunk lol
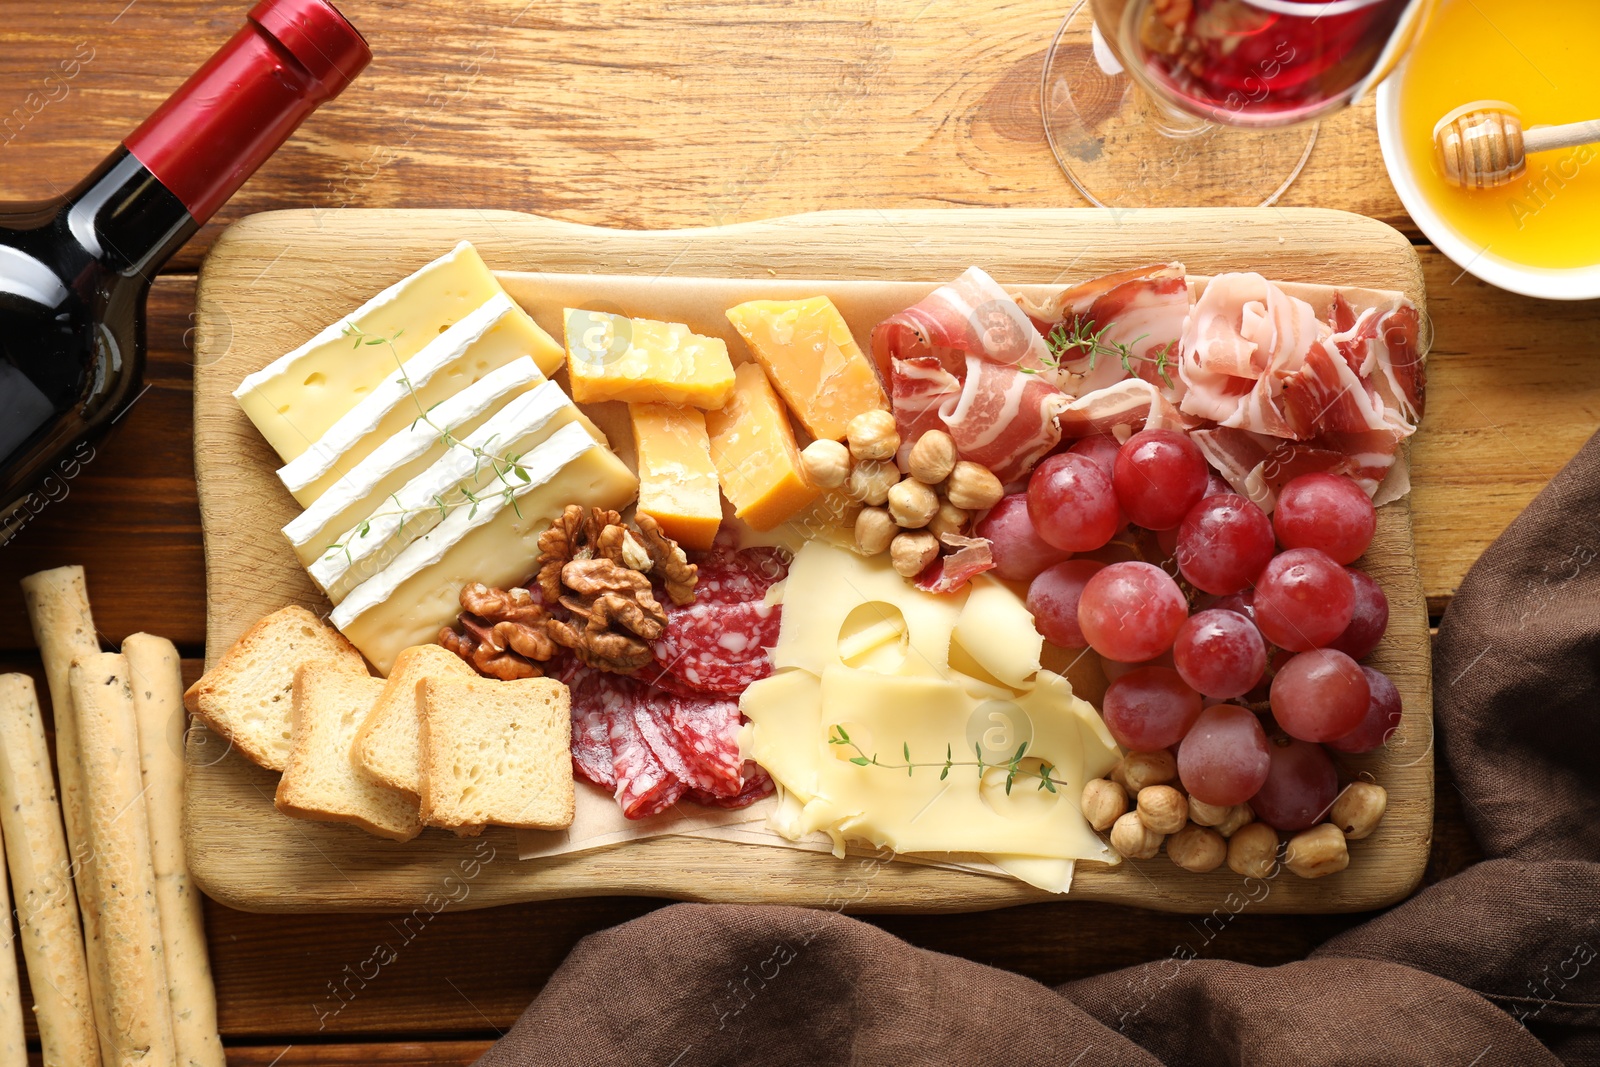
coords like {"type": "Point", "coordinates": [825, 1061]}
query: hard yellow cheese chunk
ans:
{"type": "Point", "coordinates": [677, 481]}
{"type": "Point", "coordinates": [611, 357]}
{"type": "Point", "coordinates": [755, 453]}
{"type": "Point", "coordinates": [806, 347]}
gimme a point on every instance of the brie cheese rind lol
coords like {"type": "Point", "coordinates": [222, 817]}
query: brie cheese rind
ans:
{"type": "Point", "coordinates": [401, 458]}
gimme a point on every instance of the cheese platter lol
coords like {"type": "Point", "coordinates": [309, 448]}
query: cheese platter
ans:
{"type": "Point", "coordinates": [726, 304]}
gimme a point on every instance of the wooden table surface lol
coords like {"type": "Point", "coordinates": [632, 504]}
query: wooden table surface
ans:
{"type": "Point", "coordinates": [637, 113]}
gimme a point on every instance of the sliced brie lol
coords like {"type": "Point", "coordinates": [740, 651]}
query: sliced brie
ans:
{"type": "Point", "coordinates": [482, 463]}
{"type": "Point", "coordinates": [489, 337]}
{"type": "Point", "coordinates": [401, 458]}
{"type": "Point", "coordinates": [494, 543]}
{"type": "Point", "coordinates": [294, 400]}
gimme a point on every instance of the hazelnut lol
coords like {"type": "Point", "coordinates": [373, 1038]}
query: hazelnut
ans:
{"type": "Point", "coordinates": [1238, 815]}
{"type": "Point", "coordinates": [871, 481]}
{"type": "Point", "coordinates": [948, 519]}
{"type": "Point", "coordinates": [1317, 852]}
{"type": "Point", "coordinates": [1119, 774]}
{"type": "Point", "coordinates": [1143, 769]}
{"type": "Point", "coordinates": [913, 504]}
{"type": "Point", "coordinates": [973, 487]}
{"type": "Point", "coordinates": [1197, 848]}
{"type": "Point", "coordinates": [827, 463]}
{"type": "Point", "coordinates": [874, 530]}
{"type": "Point", "coordinates": [911, 551]}
{"type": "Point", "coordinates": [1133, 839]}
{"type": "Point", "coordinates": [1163, 809]}
{"type": "Point", "coordinates": [933, 457]}
{"type": "Point", "coordinates": [1253, 851]}
{"type": "Point", "coordinates": [1104, 802]}
{"type": "Point", "coordinates": [872, 435]}
{"type": "Point", "coordinates": [1207, 814]}
{"type": "Point", "coordinates": [1358, 809]}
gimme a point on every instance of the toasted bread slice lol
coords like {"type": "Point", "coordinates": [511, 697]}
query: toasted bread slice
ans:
{"type": "Point", "coordinates": [321, 781]}
{"type": "Point", "coordinates": [496, 752]}
{"type": "Point", "coordinates": [248, 696]}
{"type": "Point", "coordinates": [386, 745]}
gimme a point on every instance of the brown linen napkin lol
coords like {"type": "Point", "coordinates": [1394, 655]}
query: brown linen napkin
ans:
{"type": "Point", "coordinates": [1498, 965]}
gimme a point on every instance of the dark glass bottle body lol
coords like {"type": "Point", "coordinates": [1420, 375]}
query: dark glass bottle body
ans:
{"type": "Point", "coordinates": [74, 274]}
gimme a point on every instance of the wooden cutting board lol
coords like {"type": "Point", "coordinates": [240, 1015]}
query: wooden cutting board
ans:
{"type": "Point", "coordinates": [275, 279]}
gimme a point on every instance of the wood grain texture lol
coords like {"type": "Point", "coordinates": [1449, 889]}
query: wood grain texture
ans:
{"type": "Point", "coordinates": [271, 282]}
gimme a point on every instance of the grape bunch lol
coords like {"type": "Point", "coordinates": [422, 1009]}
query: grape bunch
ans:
{"type": "Point", "coordinates": [1269, 613]}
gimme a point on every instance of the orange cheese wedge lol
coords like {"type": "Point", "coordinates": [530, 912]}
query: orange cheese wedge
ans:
{"type": "Point", "coordinates": [754, 450]}
{"type": "Point", "coordinates": [612, 357]}
{"type": "Point", "coordinates": [807, 350]}
{"type": "Point", "coordinates": [677, 480]}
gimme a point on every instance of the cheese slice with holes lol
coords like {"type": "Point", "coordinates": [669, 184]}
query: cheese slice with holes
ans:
{"type": "Point", "coordinates": [490, 461]}
{"type": "Point", "coordinates": [996, 630]}
{"type": "Point", "coordinates": [401, 458]}
{"type": "Point", "coordinates": [495, 543]}
{"type": "Point", "coordinates": [489, 338]}
{"type": "Point", "coordinates": [295, 399]}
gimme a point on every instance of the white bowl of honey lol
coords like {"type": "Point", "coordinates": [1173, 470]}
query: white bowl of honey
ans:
{"type": "Point", "coordinates": [1538, 235]}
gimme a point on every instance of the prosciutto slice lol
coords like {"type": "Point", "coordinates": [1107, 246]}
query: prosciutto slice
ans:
{"type": "Point", "coordinates": [1145, 309]}
{"type": "Point", "coordinates": [1004, 417]}
{"type": "Point", "coordinates": [1257, 466]}
{"type": "Point", "coordinates": [918, 387]}
{"type": "Point", "coordinates": [1131, 405]}
{"type": "Point", "coordinates": [971, 316]}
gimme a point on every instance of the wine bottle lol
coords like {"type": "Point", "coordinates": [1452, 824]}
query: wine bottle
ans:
{"type": "Point", "coordinates": [75, 270]}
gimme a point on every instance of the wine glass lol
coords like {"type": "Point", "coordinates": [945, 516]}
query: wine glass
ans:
{"type": "Point", "coordinates": [1170, 103]}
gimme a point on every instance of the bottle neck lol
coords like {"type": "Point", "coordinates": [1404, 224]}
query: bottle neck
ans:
{"type": "Point", "coordinates": [206, 140]}
{"type": "Point", "coordinates": [126, 219]}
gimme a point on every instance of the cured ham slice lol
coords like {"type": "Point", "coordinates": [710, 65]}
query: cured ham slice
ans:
{"type": "Point", "coordinates": [1326, 395]}
{"type": "Point", "coordinates": [971, 316]}
{"type": "Point", "coordinates": [1004, 417]}
{"type": "Point", "coordinates": [972, 556]}
{"type": "Point", "coordinates": [1144, 309]}
{"type": "Point", "coordinates": [917, 388]}
{"type": "Point", "coordinates": [1121, 409]}
{"type": "Point", "coordinates": [1257, 465]}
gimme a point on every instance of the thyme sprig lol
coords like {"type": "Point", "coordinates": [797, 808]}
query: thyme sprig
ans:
{"type": "Point", "coordinates": [837, 735]}
{"type": "Point", "coordinates": [1070, 341]}
{"type": "Point", "coordinates": [508, 470]}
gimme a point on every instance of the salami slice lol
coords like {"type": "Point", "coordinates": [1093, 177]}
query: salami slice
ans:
{"type": "Point", "coordinates": [594, 700]}
{"type": "Point", "coordinates": [719, 648]}
{"type": "Point", "coordinates": [707, 732]}
{"type": "Point", "coordinates": [728, 576]}
{"type": "Point", "coordinates": [756, 785]}
{"type": "Point", "coordinates": [644, 786]}
{"type": "Point", "coordinates": [654, 675]}
{"type": "Point", "coordinates": [651, 715]}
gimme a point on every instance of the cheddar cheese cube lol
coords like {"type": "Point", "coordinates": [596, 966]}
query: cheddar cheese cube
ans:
{"type": "Point", "coordinates": [677, 481]}
{"type": "Point", "coordinates": [807, 350]}
{"type": "Point", "coordinates": [757, 460]}
{"type": "Point", "coordinates": [641, 361]}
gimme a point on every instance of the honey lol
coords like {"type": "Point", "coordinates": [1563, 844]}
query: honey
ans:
{"type": "Point", "coordinates": [1539, 57]}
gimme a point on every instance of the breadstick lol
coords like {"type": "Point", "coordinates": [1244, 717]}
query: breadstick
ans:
{"type": "Point", "coordinates": [158, 706]}
{"type": "Point", "coordinates": [58, 608]}
{"type": "Point", "coordinates": [41, 877]}
{"type": "Point", "coordinates": [122, 876]}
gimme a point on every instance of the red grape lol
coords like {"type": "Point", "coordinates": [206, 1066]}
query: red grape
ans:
{"type": "Point", "coordinates": [1325, 511]}
{"type": "Point", "coordinates": [1303, 600]}
{"type": "Point", "coordinates": [1149, 708]}
{"type": "Point", "coordinates": [1381, 721]}
{"type": "Point", "coordinates": [1053, 600]}
{"type": "Point", "coordinates": [1071, 503]}
{"type": "Point", "coordinates": [1131, 611]}
{"type": "Point", "coordinates": [1019, 551]}
{"type": "Point", "coordinates": [1159, 476]}
{"type": "Point", "coordinates": [1241, 603]}
{"type": "Point", "coordinates": [1216, 485]}
{"type": "Point", "coordinates": [1220, 653]}
{"type": "Point", "coordinates": [1102, 448]}
{"type": "Point", "coordinates": [1223, 542]}
{"type": "Point", "coordinates": [1300, 787]}
{"type": "Point", "coordinates": [1115, 668]}
{"type": "Point", "coordinates": [1223, 759]}
{"type": "Point", "coordinates": [1320, 695]}
{"type": "Point", "coordinates": [1368, 620]}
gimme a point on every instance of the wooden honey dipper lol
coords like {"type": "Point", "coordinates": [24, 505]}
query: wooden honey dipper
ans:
{"type": "Point", "coordinates": [1482, 145]}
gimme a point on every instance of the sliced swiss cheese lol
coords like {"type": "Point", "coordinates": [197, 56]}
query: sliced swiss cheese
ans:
{"type": "Point", "coordinates": [807, 349]}
{"type": "Point", "coordinates": [612, 357]}
{"type": "Point", "coordinates": [677, 481]}
{"type": "Point", "coordinates": [754, 449]}
{"type": "Point", "coordinates": [316, 531]}
{"type": "Point", "coordinates": [495, 543]}
{"type": "Point", "coordinates": [294, 400]}
{"type": "Point", "coordinates": [996, 629]}
{"type": "Point", "coordinates": [490, 337]}
{"type": "Point", "coordinates": [485, 463]}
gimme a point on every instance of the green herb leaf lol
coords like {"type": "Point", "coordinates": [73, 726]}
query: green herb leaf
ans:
{"type": "Point", "coordinates": [859, 761]}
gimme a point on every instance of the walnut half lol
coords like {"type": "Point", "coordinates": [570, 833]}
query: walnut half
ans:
{"type": "Point", "coordinates": [503, 632]}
